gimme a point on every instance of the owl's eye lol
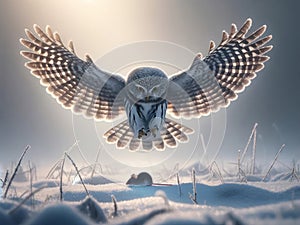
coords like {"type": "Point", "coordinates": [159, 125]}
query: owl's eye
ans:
{"type": "Point", "coordinates": [140, 89]}
{"type": "Point", "coordinates": [154, 90]}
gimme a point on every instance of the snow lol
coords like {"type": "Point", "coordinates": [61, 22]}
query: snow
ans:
{"type": "Point", "coordinates": [59, 214]}
{"type": "Point", "coordinates": [276, 201]}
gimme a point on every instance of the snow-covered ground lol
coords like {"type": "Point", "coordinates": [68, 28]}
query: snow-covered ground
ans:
{"type": "Point", "coordinates": [220, 200]}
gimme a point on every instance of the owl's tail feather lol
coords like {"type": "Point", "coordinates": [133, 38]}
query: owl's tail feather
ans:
{"type": "Point", "coordinates": [172, 133]}
{"type": "Point", "coordinates": [120, 134]}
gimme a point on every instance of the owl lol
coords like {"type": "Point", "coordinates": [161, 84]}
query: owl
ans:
{"type": "Point", "coordinates": [148, 97]}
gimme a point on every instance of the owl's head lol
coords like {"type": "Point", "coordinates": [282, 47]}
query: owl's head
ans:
{"type": "Point", "coordinates": [146, 83]}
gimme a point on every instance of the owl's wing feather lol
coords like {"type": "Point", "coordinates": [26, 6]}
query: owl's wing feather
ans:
{"type": "Point", "coordinates": [76, 84]}
{"type": "Point", "coordinates": [214, 81]}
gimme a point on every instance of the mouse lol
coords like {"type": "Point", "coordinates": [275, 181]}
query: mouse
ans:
{"type": "Point", "coordinates": [142, 178]}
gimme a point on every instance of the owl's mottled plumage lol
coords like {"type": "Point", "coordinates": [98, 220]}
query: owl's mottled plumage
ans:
{"type": "Point", "coordinates": [148, 94]}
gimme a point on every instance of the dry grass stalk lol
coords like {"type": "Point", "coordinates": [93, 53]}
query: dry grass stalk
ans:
{"type": "Point", "coordinates": [193, 196]}
{"type": "Point", "coordinates": [61, 178]}
{"type": "Point", "coordinates": [78, 173]}
{"type": "Point", "coordinates": [15, 171]}
{"type": "Point", "coordinates": [275, 159]}
{"type": "Point", "coordinates": [214, 163]}
{"type": "Point", "coordinates": [249, 140]}
{"type": "Point", "coordinates": [24, 200]}
{"type": "Point", "coordinates": [114, 200]}
{"type": "Point", "coordinates": [253, 153]}
{"type": "Point", "coordinates": [179, 185]}
{"type": "Point", "coordinates": [5, 179]}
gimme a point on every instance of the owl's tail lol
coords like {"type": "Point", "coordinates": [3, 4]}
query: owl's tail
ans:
{"type": "Point", "coordinates": [171, 134]}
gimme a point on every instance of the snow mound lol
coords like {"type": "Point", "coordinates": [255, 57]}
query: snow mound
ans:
{"type": "Point", "coordinates": [95, 180]}
{"type": "Point", "coordinates": [59, 214]}
{"type": "Point", "coordinates": [235, 195]}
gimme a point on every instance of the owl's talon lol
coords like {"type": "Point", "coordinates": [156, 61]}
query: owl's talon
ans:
{"type": "Point", "coordinates": [154, 131]}
{"type": "Point", "coordinates": [141, 133]}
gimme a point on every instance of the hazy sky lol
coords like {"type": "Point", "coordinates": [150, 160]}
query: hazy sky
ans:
{"type": "Point", "coordinates": [28, 115]}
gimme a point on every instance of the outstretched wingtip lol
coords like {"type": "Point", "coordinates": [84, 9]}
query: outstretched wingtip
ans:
{"type": "Point", "coordinates": [271, 47]}
{"type": "Point", "coordinates": [50, 32]}
{"type": "Point", "coordinates": [270, 36]}
{"type": "Point", "coordinates": [23, 53]}
{"type": "Point", "coordinates": [48, 27]}
{"type": "Point", "coordinates": [264, 26]}
{"type": "Point", "coordinates": [21, 40]}
{"type": "Point", "coordinates": [36, 27]}
{"type": "Point", "coordinates": [247, 25]}
{"type": "Point", "coordinates": [27, 32]}
{"type": "Point", "coordinates": [249, 21]}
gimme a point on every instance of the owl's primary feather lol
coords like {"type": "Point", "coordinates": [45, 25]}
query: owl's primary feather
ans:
{"type": "Point", "coordinates": [209, 84]}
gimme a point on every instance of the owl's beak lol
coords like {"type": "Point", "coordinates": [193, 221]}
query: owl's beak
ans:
{"type": "Point", "coordinates": [147, 98]}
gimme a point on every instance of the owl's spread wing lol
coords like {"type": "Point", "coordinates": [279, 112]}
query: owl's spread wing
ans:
{"type": "Point", "coordinates": [76, 84]}
{"type": "Point", "coordinates": [214, 81]}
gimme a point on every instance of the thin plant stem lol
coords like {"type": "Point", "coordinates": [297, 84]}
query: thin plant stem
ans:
{"type": "Point", "coordinates": [5, 179]}
{"type": "Point", "coordinates": [179, 185]}
{"type": "Point", "coordinates": [253, 153]}
{"type": "Point", "coordinates": [24, 200]}
{"type": "Point", "coordinates": [275, 159]}
{"type": "Point", "coordinates": [240, 170]}
{"type": "Point", "coordinates": [194, 196]}
{"type": "Point", "coordinates": [30, 182]}
{"type": "Point", "coordinates": [61, 178]}
{"type": "Point", "coordinates": [15, 171]}
{"type": "Point", "coordinates": [96, 161]}
{"type": "Point", "coordinates": [114, 200]}
{"type": "Point", "coordinates": [214, 163]}
{"type": "Point", "coordinates": [56, 165]}
{"type": "Point", "coordinates": [249, 140]}
{"type": "Point", "coordinates": [77, 171]}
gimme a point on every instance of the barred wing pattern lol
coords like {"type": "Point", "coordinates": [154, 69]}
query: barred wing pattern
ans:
{"type": "Point", "coordinates": [172, 133]}
{"type": "Point", "coordinates": [76, 84]}
{"type": "Point", "coordinates": [214, 81]}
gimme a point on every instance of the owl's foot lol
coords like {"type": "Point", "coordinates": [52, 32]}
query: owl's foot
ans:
{"type": "Point", "coordinates": [154, 131]}
{"type": "Point", "coordinates": [141, 133]}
